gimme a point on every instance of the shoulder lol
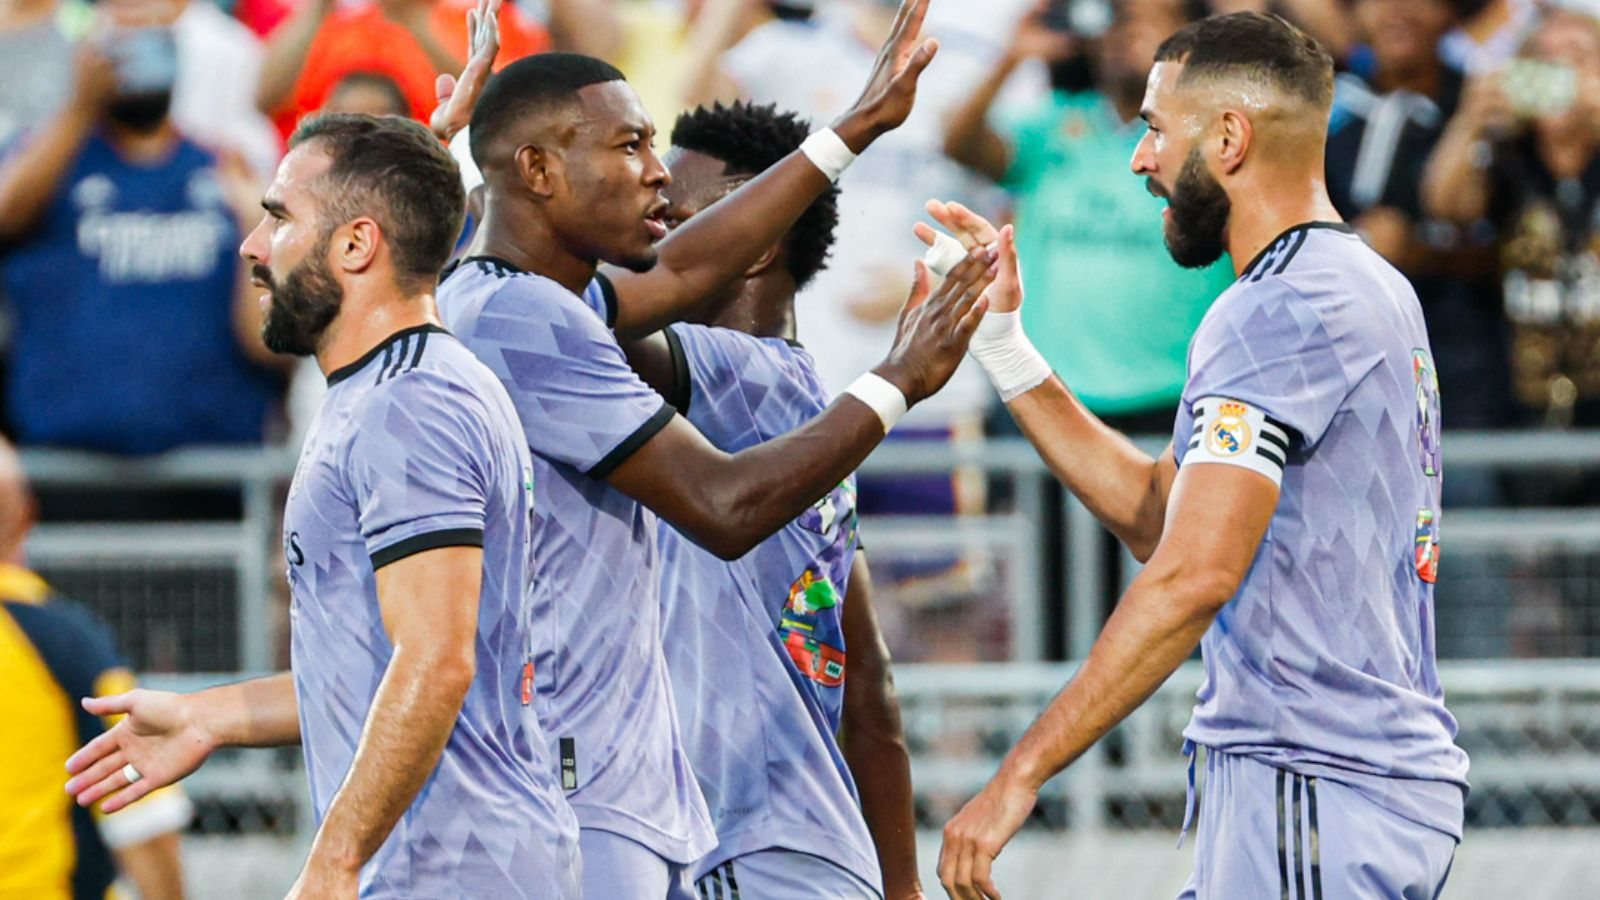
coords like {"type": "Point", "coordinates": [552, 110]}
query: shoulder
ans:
{"type": "Point", "coordinates": [75, 644]}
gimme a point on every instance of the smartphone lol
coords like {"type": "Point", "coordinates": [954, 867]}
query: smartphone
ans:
{"type": "Point", "coordinates": [1537, 89]}
{"type": "Point", "coordinates": [146, 60]}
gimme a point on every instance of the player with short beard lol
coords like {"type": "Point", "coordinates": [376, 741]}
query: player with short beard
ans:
{"type": "Point", "coordinates": [1290, 530]}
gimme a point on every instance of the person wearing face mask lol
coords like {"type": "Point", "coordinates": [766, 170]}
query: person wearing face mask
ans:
{"type": "Point", "coordinates": [135, 331]}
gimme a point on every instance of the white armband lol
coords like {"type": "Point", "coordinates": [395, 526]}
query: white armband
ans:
{"type": "Point", "coordinates": [1013, 364]}
{"type": "Point", "coordinates": [1234, 433]}
{"type": "Point", "coordinates": [828, 152]}
{"type": "Point", "coordinates": [461, 149]}
{"type": "Point", "coordinates": [883, 397]}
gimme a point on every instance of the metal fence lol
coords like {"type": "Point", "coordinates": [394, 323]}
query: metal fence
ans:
{"type": "Point", "coordinates": [1022, 584]}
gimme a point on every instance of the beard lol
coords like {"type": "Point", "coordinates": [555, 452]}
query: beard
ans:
{"type": "Point", "coordinates": [1197, 234]}
{"type": "Point", "coordinates": [302, 307]}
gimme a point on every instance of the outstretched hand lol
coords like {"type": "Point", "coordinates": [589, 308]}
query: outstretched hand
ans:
{"type": "Point", "coordinates": [159, 737]}
{"type": "Point", "coordinates": [973, 231]}
{"type": "Point", "coordinates": [937, 324]}
{"type": "Point", "coordinates": [891, 90]}
{"type": "Point", "coordinates": [457, 96]}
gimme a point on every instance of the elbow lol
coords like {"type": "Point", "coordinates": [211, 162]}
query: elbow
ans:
{"type": "Point", "coordinates": [452, 671]}
{"type": "Point", "coordinates": [1205, 591]}
{"type": "Point", "coordinates": [728, 544]}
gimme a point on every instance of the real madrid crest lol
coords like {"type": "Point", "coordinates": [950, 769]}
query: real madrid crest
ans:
{"type": "Point", "coordinates": [1229, 433]}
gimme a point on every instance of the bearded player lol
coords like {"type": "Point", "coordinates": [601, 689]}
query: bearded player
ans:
{"type": "Point", "coordinates": [1291, 530]}
{"type": "Point", "coordinates": [406, 537]}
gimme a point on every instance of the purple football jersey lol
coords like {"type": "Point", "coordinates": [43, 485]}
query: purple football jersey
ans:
{"type": "Point", "coordinates": [1323, 663]}
{"type": "Point", "coordinates": [756, 646]}
{"type": "Point", "coordinates": [417, 446]}
{"type": "Point", "coordinates": [603, 694]}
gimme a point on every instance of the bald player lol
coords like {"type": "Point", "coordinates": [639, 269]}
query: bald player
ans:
{"type": "Point", "coordinates": [1291, 528]}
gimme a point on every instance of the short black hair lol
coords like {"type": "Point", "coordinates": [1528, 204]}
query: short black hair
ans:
{"type": "Point", "coordinates": [373, 79]}
{"type": "Point", "coordinates": [1255, 45]}
{"type": "Point", "coordinates": [394, 170]}
{"type": "Point", "coordinates": [531, 84]}
{"type": "Point", "coordinates": [750, 139]}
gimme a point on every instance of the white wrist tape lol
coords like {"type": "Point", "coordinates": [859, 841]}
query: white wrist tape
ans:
{"type": "Point", "coordinates": [884, 398]}
{"type": "Point", "coordinates": [1006, 354]}
{"type": "Point", "coordinates": [828, 152]}
{"type": "Point", "coordinates": [461, 149]}
{"type": "Point", "coordinates": [945, 254]}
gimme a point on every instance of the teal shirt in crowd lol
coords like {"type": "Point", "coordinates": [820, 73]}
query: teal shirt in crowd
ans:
{"type": "Point", "coordinates": [1106, 304]}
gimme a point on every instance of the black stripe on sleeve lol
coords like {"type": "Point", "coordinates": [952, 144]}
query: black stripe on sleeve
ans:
{"type": "Point", "coordinates": [630, 445]}
{"type": "Point", "coordinates": [433, 540]}
{"type": "Point", "coordinates": [609, 291]}
{"type": "Point", "coordinates": [682, 385]}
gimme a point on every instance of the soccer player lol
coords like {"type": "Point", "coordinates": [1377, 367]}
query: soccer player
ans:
{"type": "Point", "coordinates": [1291, 530]}
{"type": "Point", "coordinates": [407, 541]}
{"type": "Point", "coordinates": [757, 647]}
{"type": "Point", "coordinates": [570, 181]}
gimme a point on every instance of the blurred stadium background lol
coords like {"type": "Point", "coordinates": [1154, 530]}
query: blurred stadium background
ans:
{"type": "Point", "coordinates": [990, 583]}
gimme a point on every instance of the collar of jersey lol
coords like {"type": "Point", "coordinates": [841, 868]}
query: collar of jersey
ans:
{"type": "Point", "coordinates": [343, 372]}
{"type": "Point", "coordinates": [1344, 227]}
{"type": "Point", "coordinates": [19, 585]}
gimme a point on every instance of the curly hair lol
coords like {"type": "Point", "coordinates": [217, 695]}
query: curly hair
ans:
{"type": "Point", "coordinates": [750, 139]}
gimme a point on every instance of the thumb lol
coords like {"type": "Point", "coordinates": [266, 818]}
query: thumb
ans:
{"type": "Point", "coordinates": [921, 286]}
{"type": "Point", "coordinates": [444, 86]}
{"type": "Point", "coordinates": [918, 62]}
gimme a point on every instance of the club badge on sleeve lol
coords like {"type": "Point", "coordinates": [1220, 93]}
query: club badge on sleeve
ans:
{"type": "Point", "coordinates": [1235, 433]}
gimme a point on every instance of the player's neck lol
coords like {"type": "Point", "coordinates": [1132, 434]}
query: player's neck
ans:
{"type": "Point", "coordinates": [366, 322]}
{"type": "Point", "coordinates": [525, 241]}
{"type": "Point", "coordinates": [763, 309]}
{"type": "Point", "coordinates": [1261, 216]}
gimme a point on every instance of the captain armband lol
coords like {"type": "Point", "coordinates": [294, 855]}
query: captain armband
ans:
{"type": "Point", "coordinates": [1234, 433]}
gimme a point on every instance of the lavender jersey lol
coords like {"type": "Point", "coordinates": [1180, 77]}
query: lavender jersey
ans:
{"type": "Point", "coordinates": [416, 447]}
{"type": "Point", "coordinates": [756, 647]}
{"type": "Point", "coordinates": [1323, 662]}
{"type": "Point", "coordinates": [603, 694]}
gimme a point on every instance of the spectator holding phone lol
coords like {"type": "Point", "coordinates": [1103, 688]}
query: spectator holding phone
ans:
{"type": "Point", "coordinates": [135, 327]}
{"type": "Point", "coordinates": [1524, 156]}
{"type": "Point", "coordinates": [1116, 312]}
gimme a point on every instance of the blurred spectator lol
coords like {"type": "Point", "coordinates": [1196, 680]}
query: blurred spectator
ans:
{"type": "Point", "coordinates": [1326, 20]}
{"type": "Point", "coordinates": [1489, 34]}
{"type": "Point", "coordinates": [410, 41]}
{"type": "Point", "coordinates": [1107, 305]}
{"type": "Point", "coordinates": [52, 654]}
{"type": "Point", "coordinates": [1524, 154]}
{"type": "Point", "coordinates": [134, 325]}
{"type": "Point", "coordinates": [219, 67]}
{"type": "Point", "coordinates": [35, 61]}
{"type": "Point", "coordinates": [367, 93]}
{"type": "Point", "coordinates": [1383, 130]}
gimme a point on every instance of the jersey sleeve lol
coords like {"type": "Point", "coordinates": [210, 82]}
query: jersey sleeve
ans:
{"type": "Point", "coordinates": [738, 392]}
{"type": "Point", "coordinates": [418, 467]}
{"type": "Point", "coordinates": [579, 401]}
{"type": "Point", "coordinates": [1265, 358]}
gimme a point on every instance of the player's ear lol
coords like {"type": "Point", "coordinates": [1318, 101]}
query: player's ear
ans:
{"type": "Point", "coordinates": [538, 169]}
{"type": "Point", "coordinates": [764, 263]}
{"type": "Point", "coordinates": [355, 245]}
{"type": "Point", "coordinates": [1234, 135]}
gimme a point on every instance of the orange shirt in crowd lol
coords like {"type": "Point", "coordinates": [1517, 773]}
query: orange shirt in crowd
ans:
{"type": "Point", "coordinates": [362, 40]}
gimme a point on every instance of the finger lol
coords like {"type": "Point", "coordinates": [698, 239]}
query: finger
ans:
{"type": "Point", "coordinates": [103, 745]}
{"type": "Point", "coordinates": [915, 15]}
{"type": "Point", "coordinates": [444, 86]}
{"type": "Point", "coordinates": [968, 325]}
{"type": "Point", "coordinates": [947, 866]}
{"type": "Point", "coordinates": [111, 705]}
{"type": "Point", "coordinates": [977, 264]}
{"type": "Point", "coordinates": [963, 873]}
{"type": "Point", "coordinates": [921, 286]}
{"type": "Point", "coordinates": [918, 62]}
{"type": "Point", "coordinates": [131, 794]}
{"type": "Point", "coordinates": [925, 233]}
{"type": "Point", "coordinates": [981, 879]}
{"type": "Point", "coordinates": [981, 228]}
{"type": "Point", "coordinates": [974, 291]}
{"type": "Point", "coordinates": [102, 778]}
{"type": "Point", "coordinates": [941, 213]}
{"type": "Point", "coordinates": [1009, 261]}
{"type": "Point", "coordinates": [472, 32]}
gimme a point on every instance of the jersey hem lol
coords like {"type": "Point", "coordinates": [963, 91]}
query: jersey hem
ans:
{"type": "Point", "coordinates": [681, 851]}
{"type": "Point", "coordinates": [757, 839]}
{"type": "Point", "coordinates": [432, 540]}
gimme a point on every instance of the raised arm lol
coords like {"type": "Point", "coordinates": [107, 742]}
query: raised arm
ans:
{"type": "Point", "coordinates": [1455, 184]}
{"type": "Point", "coordinates": [728, 503]}
{"type": "Point", "coordinates": [287, 50]}
{"type": "Point", "coordinates": [1125, 488]}
{"type": "Point", "coordinates": [874, 742]}
{"type": "Point", "coordinates": [166, 736]}
{"type": "Point", "coordinates": [32, 173]}
{"type": "Point", "coordinates": [1156, 626]}
{"type": "Point", "coordinates": [969, 139]}
{"type": "Point", "coordinates": [718, 244]}
{"type": "Point", "coordinates": [429, 604]}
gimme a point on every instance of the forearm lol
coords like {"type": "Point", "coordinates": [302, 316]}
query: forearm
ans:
{"type": "Point", "coordinates": [411, 719]}
{"type": "Point", "coordinates": [33, 175]}
{"type": "Point", "coordinates": [1454, 186]}
{"type": "Point", "coordinates": [1118, 482]}
{"type": "Point", "coordinates": [716, 245]}
{"type": "Point", "coordinates": [968, 138]}
{"type": "Point", "coordinates": [261, 712]}
{"type": "Point", "coordinates": [873, 742]}
{"type": "Point", "coordinates": [286, 54]}
{"type": "Point", "coordinates": [154, 867]}
{"type": "Point", "coordinates": [1155, 627]}
{"type": "Point", "coordinates": [715, 31]}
